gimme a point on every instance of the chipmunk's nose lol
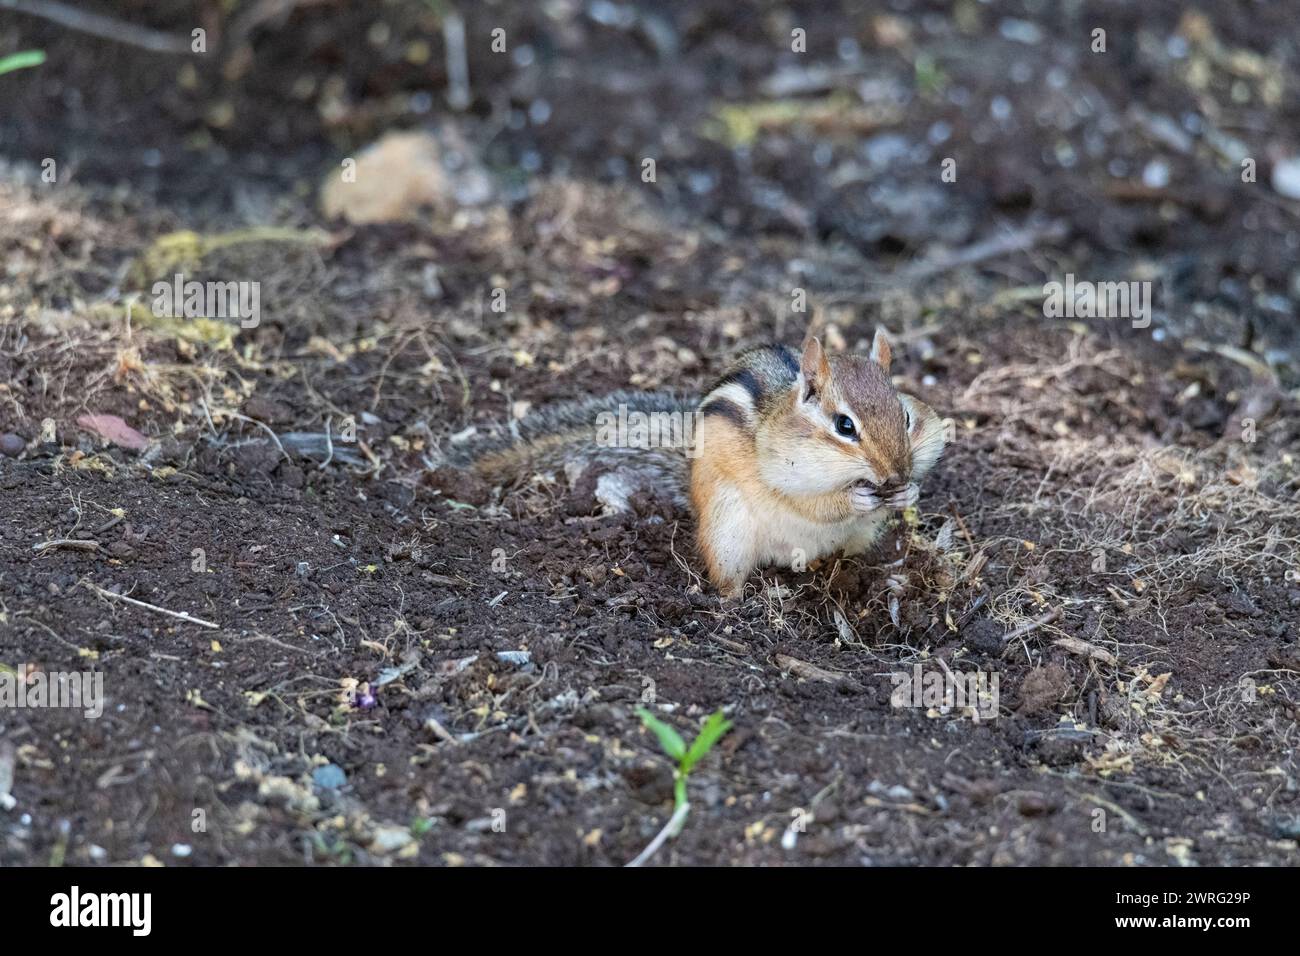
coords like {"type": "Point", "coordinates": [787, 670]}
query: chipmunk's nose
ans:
{"type": "Point", "coordinates": [891, 485]}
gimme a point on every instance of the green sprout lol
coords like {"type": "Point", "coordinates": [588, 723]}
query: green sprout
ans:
{"type": "Point", "coordinates": [930, 77]}
{"type": "Point", "coordinates": [687, 757]}
{"type": "Point", "coordinates": [20, 61]}
{"type": "Point", "coordinates": [334, 848]}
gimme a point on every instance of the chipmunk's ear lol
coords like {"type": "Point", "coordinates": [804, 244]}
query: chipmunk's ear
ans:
{"type": "Point", "coordinates": [881, 353]}
{"type": "Point", "coordinates": [814, 367]}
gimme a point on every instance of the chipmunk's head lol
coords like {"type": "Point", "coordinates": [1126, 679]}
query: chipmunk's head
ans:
{"type": "Point", "coordinates": [851, 427]}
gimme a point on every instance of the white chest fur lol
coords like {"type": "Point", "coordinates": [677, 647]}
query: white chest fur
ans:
{"type": "Point", "coordinates": [789, 540]}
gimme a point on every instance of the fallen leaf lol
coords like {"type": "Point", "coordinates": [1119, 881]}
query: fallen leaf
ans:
{"type": "Point", "coordinates": [805, 670]}
{"type": "Point", "coordinates": [1084, 649]}
{"type": "Point", "coordinates": [113, 429]}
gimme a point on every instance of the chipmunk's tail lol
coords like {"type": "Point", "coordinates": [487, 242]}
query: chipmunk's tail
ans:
{"type": "Point", "coordinates": [632, 441]}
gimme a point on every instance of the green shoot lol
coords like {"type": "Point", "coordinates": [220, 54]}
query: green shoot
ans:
{"type": "Point", "coordinates": [930, 77]}
{"type": "Point", "coordinates": [687, 757]}
{"type": "Point", "coordinates": [20, 61]}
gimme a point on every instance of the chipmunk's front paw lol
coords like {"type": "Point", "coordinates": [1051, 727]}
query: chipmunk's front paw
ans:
{"type": "Point", "coordinates": [864, 499]}
{"type": "Point", "coordinates": [905, 498]}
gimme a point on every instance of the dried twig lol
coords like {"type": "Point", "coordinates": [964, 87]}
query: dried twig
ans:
{"type": "Point", "coordinates": [329, 442]}
{"type": "Point", "coordinates": [101, 26]}
{"type": "Point", "coordinates": [432, 725]}
{"type": "Point", "coordinates": [7, 763]}
{"type": "Point", "coordinates": [1084, 649]}
{"type": "Point", "coordinates": [77, 544]}
{"type": "Point", "coordinates": [110, 523]}
{"type": "Point", "coordinates": [179, 615]}
{"type": "Point", "coordinates": [1119, 811]}
{"type": "Point", "coordinates": [1030, 626]}
{"type": "Point", "coordinates": [262, 425]}
{"type": "Point", "coordinates": [453, 38]}
{"type": "Point", "coordinates": [1015, 240]}
{"type": "Point", "coordinates": [257, 15]}
{"type": "Point", "coordinates": [809, 671]}
{"type": "Point", "coordinates": [1258, 367]}
{"type": "Point", "coordinates": [965, 532]}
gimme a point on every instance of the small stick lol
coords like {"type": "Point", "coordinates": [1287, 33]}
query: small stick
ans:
{"type": "Point", "coordinates": [1030, 626]}
{"type": "Point", "coordinates": [453, 38]}
{"type": "Point", "coordinates": [179, 615]}
{"type": "Point", "coordinates": [965, 532]}
{"type": "Point", "coordinates": [975, 605]}
{"type": "Point", "coordinates": [805, 670]}
{"type": "Point", "coordinates": [261, 13]}
{"type": "Point", "coordinates": [111, 522]}
{"type": "Point", "coordinates": [1119, 811]}
{"type": "Point", "coordinates": [79, 544]}
{"type": "Point", "coordinates": [329, 441]}
{"type": "Point", "coordinates": [946, 669]}
{"type": "Point", "coordinates": [7, 762]}
{"type": "Point", "coordinates": [730, 645]}
{"type": "Point", "coordinates": [1084, 649]}
{"type": "Point", "coordinates": [101, 26]}
{"type": "Point", "coordinates": [438, 730]}
{"type": "Point", "coordinates": [262, 425]}
{"type": "Point", "coordinates": [1015, 240]}
{"type": "Point", "coordinates": [671, 828]}
{"type": "Point", "coordinates": [1261, 371]}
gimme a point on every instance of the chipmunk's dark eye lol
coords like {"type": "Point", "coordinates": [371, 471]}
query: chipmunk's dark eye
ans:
{"type": "Point", "coordinates": [907, 414]}
{"type": "Point", "coordinates": [844, 426]}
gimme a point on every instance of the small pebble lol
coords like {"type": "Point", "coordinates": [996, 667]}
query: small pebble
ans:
{"type": "Point", "coordinates": [1155, 175]}
{"type": "Point", "coordinates": [329, 777]}
{"type": "Point", "coordinates": [11, 445]}
{"type": "Point", "coordinates": [1287, 828]}
{"type": "Point", "coordinates": [388, 839]}
{"type": "Point", "coordinates": [1021, 31]}
{"type": "Point", "coordinates": [1286, 177]}
{"type": "Point", "coordinates": [1032, 804]}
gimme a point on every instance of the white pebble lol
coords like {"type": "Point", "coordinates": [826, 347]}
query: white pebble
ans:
{"type": "Point", "coordinates": [1155, 175]}
{"type": "Point", "coordinates": [1286, 177]}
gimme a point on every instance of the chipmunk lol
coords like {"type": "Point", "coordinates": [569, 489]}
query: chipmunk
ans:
{"type": "Point", "coordinates": [794, 456]}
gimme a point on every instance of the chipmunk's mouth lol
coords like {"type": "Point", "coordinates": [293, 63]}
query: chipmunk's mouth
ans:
{"type": "Point", "coordinates": [890, 496]}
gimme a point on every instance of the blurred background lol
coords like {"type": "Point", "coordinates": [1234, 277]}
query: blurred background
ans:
{"type": "Point", "coordinates": [1134, 142]}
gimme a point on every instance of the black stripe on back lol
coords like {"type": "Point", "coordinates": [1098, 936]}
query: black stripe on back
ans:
{"type": "Point", "coordinates": [788, 359]}
{"type": "Point", "coordinates": [747, 380]}
{"type": "Point", "coordinates": [725, 409]}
